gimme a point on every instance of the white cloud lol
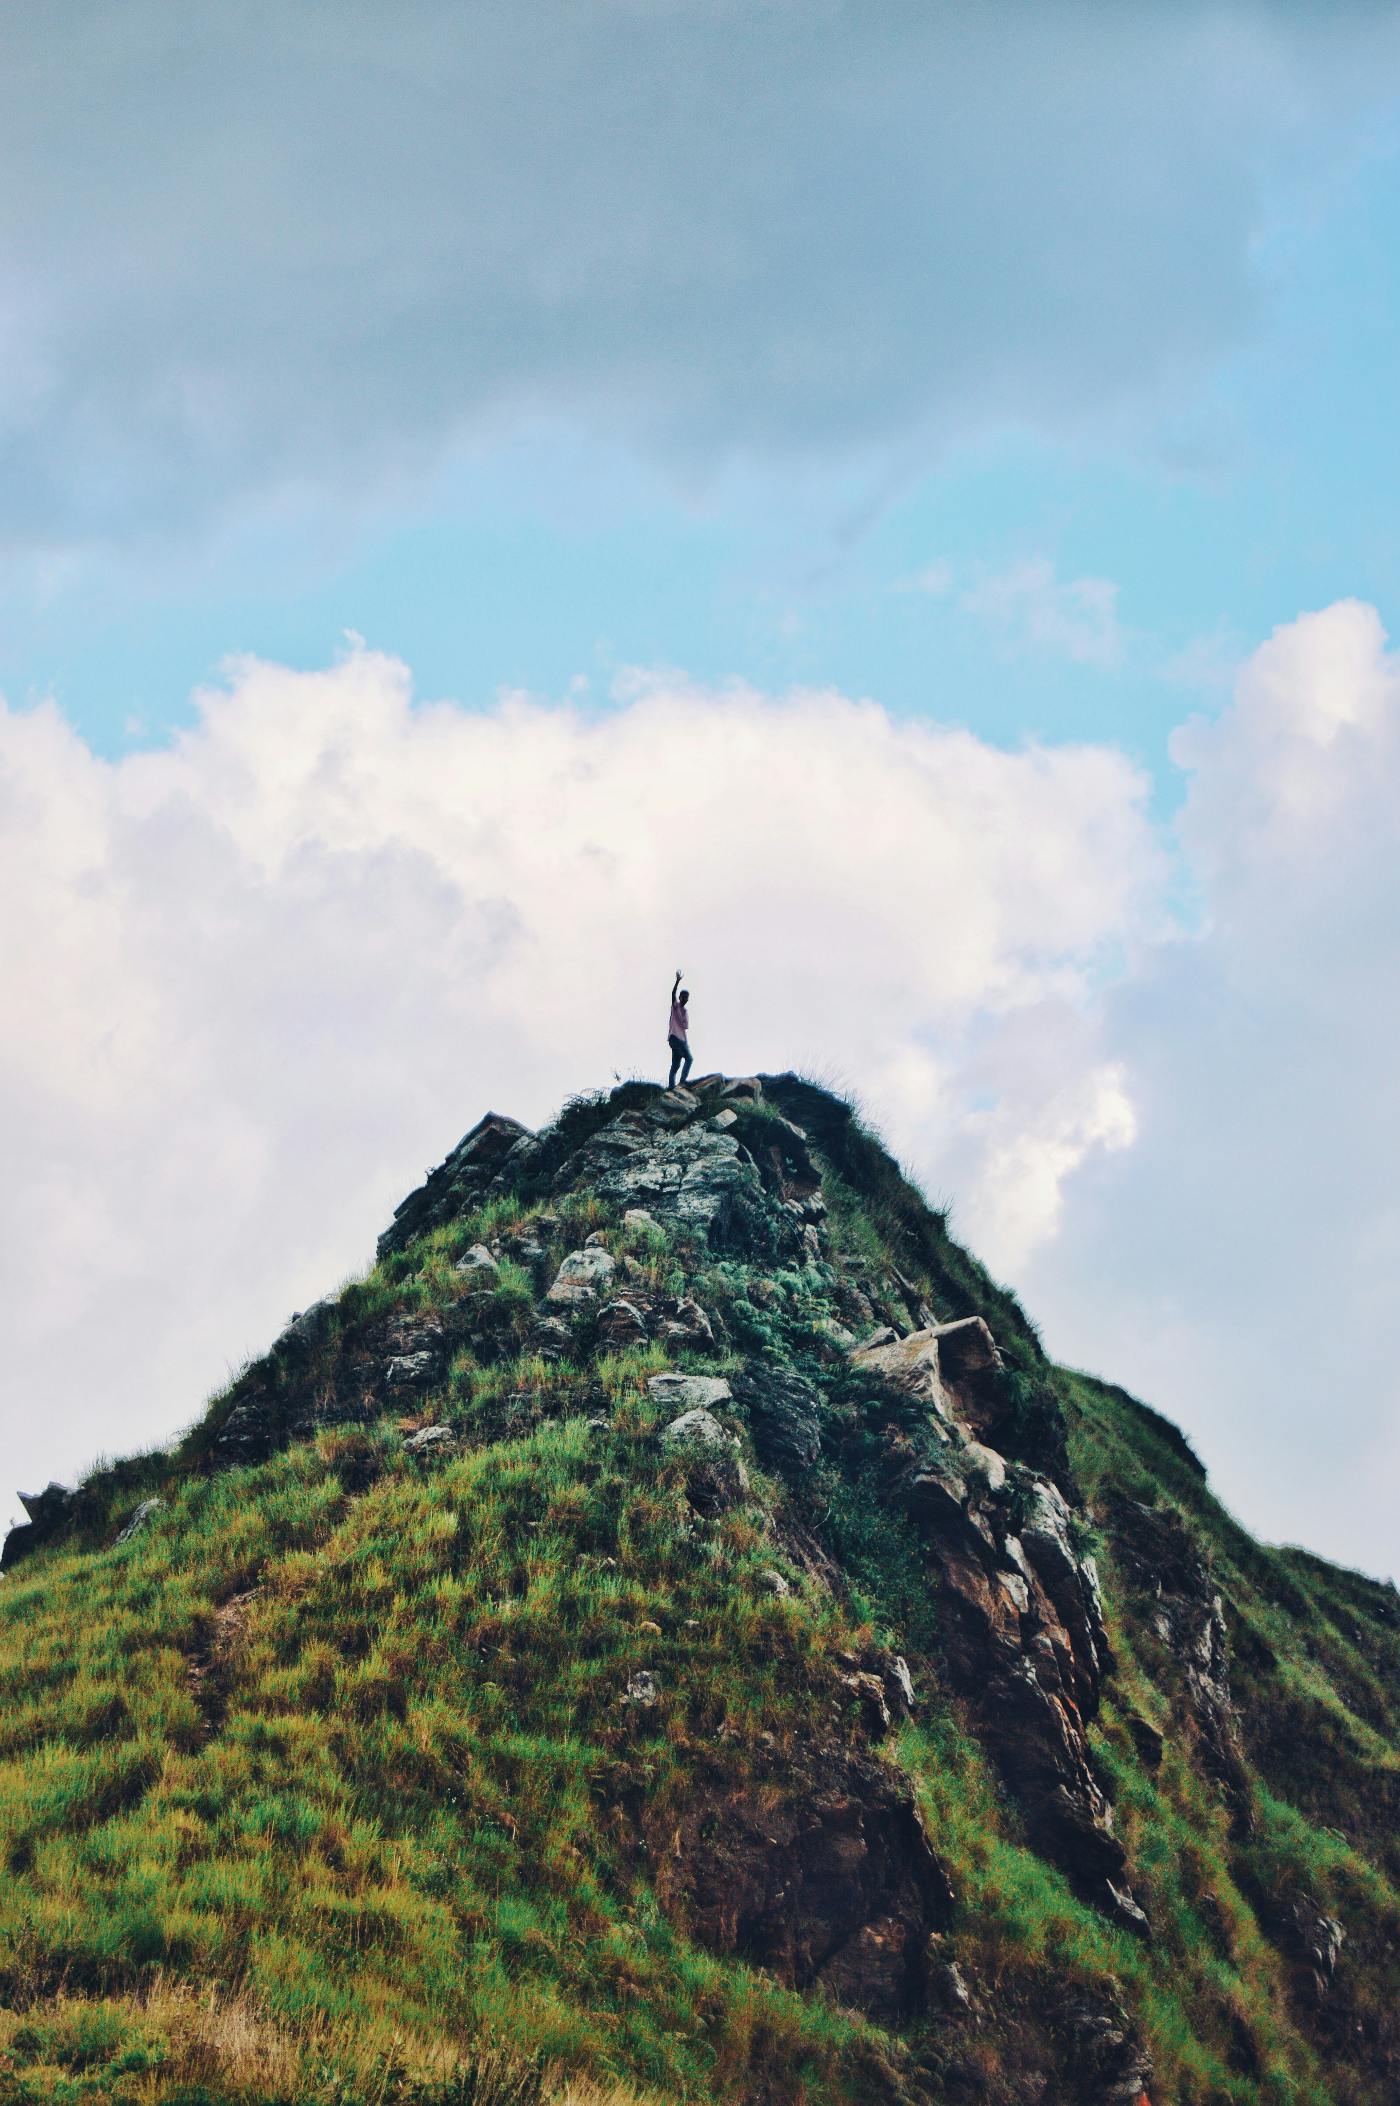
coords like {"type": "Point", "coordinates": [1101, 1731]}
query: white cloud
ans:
{"type": "Point", "coordinates": [1238, 1263]}
{"type": "Point", "coordinates": [1074, 618]}
{"type": "Point", "coordinates": [258, 981]}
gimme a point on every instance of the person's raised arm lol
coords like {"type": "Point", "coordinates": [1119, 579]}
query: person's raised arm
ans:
{"type": "Point", "coordinates": [674, 985]}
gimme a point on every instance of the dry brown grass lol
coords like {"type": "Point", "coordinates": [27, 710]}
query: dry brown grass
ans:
{"type": "Point", "coordinates": [224, 2043]}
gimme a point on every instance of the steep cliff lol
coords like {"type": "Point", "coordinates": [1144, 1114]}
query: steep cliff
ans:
{"type": "Point", "coordinates": [670, 1624]}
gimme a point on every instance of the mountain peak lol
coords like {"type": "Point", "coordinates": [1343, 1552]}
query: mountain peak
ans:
{"type": "Point", "coordinates": [672, 1619]}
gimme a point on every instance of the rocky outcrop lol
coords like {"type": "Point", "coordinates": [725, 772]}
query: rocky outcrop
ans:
{"type": "Point", "coordinates": [823, 1874]}
{"type": "Point", "coordinates": [582, 1277]}
{"type": "Point", "coordinates": [784, 1417]}
{"type": "Point", "coordinates": [689, 1176]}
{"type": "Point", "coordinates": [1181, 1605]}
{"type": "Point", "coordinates": [1023, 1621]}
{"type": "Point", "coordinates": [461, 1182]}
{"type": "Point", "coordinates": [955, 1368]}
{"type": "Point", "coordinates": [50, 1513]}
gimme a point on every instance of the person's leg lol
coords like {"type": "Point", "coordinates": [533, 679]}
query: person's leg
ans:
{"type": "Point", "coordinates": [675, 1045]}
{"type": "Point", "coordinates": [685, 1070]}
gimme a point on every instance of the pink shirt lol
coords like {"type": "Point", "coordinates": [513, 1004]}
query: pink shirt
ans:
{"type": "Point", "coordinates": [680, 1021]}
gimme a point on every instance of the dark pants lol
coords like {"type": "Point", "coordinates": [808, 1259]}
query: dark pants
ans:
{"type": "Point", "coordinates": [680, 1058]}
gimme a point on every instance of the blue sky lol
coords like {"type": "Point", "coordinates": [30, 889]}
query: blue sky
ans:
{"type": "Point", "coordinates": [1244, 477]}
{"type": "Point", "coordinates": [646, 387]}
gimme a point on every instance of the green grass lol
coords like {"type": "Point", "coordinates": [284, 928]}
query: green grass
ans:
{"type": "Point", "coordinates": [323, 1787]}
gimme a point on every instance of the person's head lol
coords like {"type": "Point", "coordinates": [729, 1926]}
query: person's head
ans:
{"type": "Point", "coordinates": [685, 995]}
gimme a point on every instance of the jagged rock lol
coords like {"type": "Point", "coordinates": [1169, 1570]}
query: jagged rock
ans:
{"type": "Point", "coordinates": [899, 1685]}
{"type": "Point", "coordinates": [139, 1519]}
{"type": "Point", "coordinates": [744, 1088]}
{"type": "Point", "coordinates": [643, 1690]}
{"type": "Point", "coordinates": [551, 1338]}
{"type": "Point", "coordinates": [783, 1416]}
{"type": "Point", "coordinates": [682, 1393]}
{"type": "Point", "coordinates": [672, 1107]}
{"type": "Point", "coordinates": [869, 1692]}
{"type": "Point", "coordinates": [479, 1262]}
{"type": "Point", "coordinates": [716, 1477]}
{"type": "Point", "coordinates": [430, 1440]}
{"type": "Point", "coordinates": [412, 1370]}
{"type": "Point", "coordinates": [723, 1120]}
{"type": "Point", "coordinates": [639, 1218]}
{"type": "Point", "coordinates": [1168, 1572]}
{"type": "Point", "coordinates": [696, 1428]}
{"type": "Point", "coordinates": [308, 1328]}
{"type": "Point", "coordinates": [1107, 2061]}
{"type": "Point", "coordinates": [693, 1179]}
{"type": "Point", "coordinates": [583, 1275]}
{"type": "Point", "coordinates": [1024, 1632]}
{"type": "Point", "coordinates": [521, 1162]}
{"type": "Point", "coordinates": [771, 1581]}
{"type": "Point", "coordinates": [908, 1364]}
{"type": "Point", "coordinates": [621, 1324]}
{"type": "Point", "coordinates": [49, 1511]}
{"type": "Point", "coordinates": [686, 1327]}
{"type": "Point", "coordinates": [1308, 1936]}
{"type": "Point", "coordinates": [458, 1184]}
{"type": "Point", "coordinates": [954, 1367]}
{"type": "Point", "coordinates": [948, 1990]}
{"type": "Point", "coordinates": [827, 1877]}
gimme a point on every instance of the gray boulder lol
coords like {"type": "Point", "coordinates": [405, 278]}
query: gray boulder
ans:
{"type": "Point", "coordinates": [429, 1440]}
{"type": "Point", "coordinates": [688, 1393]}
{"type": "Point", "coordinates": [582, 1276]}
{"type": "Point", "coordinates": [478, 1260]}
{"type": "Point", "coordinates": [686, 1325]}
{"type": "Point", "coordinates": [621, 1324]}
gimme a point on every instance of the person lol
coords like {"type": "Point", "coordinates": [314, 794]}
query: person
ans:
{"type": "Point", "coordinates": [678, 1031]}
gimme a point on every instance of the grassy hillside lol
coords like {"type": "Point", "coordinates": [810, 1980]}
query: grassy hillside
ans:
{"type": "Point", "coordinates": [551, 1756]}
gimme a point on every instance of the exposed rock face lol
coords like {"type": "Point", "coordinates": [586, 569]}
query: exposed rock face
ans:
{"type": "Point", "coordinates": [459, 1183]}
{"type": "Point", "coordinates": [1107, 2061]}
{"type": "Point", "coordinates": [1164, 1564]}
{"type": "Point", "coordinates": [1311, 1938]}
{"type": "Point", "coordinates": [1025, 1637]}
{"type": "Point", "coordinates": [139, 1519]}
{"type": "Point", "coordinates": [954, 1367]}
{"type": "Point", "coordinates": [692, 1178]}
{"type": "Point", "coordinates": [683, 1393]}
{"type": "Point", "coordinates": [825, 1875]}
{"type": "Point", "coordinates": [49, 1511]}
{"type": "Point", "coordinates": [783, 1417]}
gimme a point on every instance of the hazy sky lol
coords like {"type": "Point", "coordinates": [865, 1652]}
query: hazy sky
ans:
{"type": "Point", "coordinates": [894, 507]}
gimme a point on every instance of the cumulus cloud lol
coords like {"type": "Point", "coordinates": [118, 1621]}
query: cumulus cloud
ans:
{"type": "Point", "coordinates": [259, 980]}
{"type": "Point", "coordinates": [703, 229]}
{"type": "Point", "coordinates": [1238, 1262]}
